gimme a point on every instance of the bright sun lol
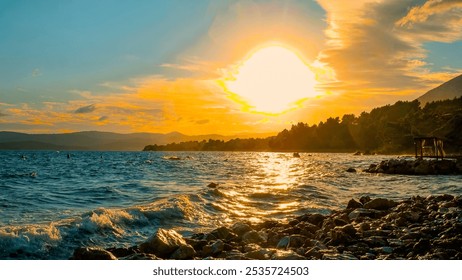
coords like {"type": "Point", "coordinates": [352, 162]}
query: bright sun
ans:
{"type": "Point", "coordinates": [272, 80]}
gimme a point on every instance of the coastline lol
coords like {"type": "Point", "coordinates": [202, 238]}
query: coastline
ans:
{"type": "Point", "coordinates": [412, 229]}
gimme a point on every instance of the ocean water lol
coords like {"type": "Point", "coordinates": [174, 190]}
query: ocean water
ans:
{"type": "Point", "coordinates": [51, 204]}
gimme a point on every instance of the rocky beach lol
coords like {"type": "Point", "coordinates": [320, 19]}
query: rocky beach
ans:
{"type": "Point", "coordinates": [417, 228]}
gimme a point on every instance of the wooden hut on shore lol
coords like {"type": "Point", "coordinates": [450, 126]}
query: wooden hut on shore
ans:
{"type": "Point", "coordinates": [431, 147]}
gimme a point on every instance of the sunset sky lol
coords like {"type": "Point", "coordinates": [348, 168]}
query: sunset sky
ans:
{"type": "Point", "coordinates": [225, 67]}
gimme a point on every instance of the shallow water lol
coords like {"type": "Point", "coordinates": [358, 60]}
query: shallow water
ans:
{"type": "Point", "coordinates": [50, 204]}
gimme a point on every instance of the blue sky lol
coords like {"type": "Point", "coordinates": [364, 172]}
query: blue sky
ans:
{"type": "Point", "coordinates": [157, 65]}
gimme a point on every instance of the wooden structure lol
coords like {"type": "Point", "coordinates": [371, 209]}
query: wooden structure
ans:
{"type": "Point", "coordinates": [431, 147]}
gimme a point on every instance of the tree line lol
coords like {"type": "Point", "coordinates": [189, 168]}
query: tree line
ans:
{"type": "Point", "coordinates": [387, 129]}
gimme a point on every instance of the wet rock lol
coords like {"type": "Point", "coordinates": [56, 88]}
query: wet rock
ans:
{"type": "Point", "coordinates": [380, 204]}
{"type": "Point", "coordinates": [253, 237]}
{"type": "Point", "coordinates": [364, 199]}
{"type": "Point", "coordinates": [353, 204]}
{"type": "Point", "coordinates": [361, 212]}
{"type": "Point", "coordinates": [141, 256]}
{"type": "Point", "coordinates": [222, 233]}
{"type": "Point", "coordinates": [315, 219]}
{"type": "Point", "coordinates": [123, 252]}
{"type": "Point", "coordinates": [286, 255]}
{"type": "Point", "coordinates": [422, 246]}
{"type": "Point", "coordinates": [213, 249]}
{"type": "Point", "coordinates": [92, 253]}
{"type": "Point", "coordinates": [235, 255]}
{"type": "Point", "coordinates": [163, 243]}
{"type": "Point", "coordinates": [260, 254]}
{"type": "Point", "coordinates": [283, 243]}
{"type": "Point", "coordinates": [212, 185]}
{"type": "Point", "coordinates": [184, 252]}
{"type": "Point", "coordinates": [314, 253]}
{"type": "Point", "coordinates": [241, 228]}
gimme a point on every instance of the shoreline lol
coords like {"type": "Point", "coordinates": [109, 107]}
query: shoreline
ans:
{"type": "Point", "coordinates": [367, 229]}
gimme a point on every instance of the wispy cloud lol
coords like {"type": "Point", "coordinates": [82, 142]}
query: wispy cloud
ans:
{"type": "Point", "coordinates": [86, 109]}
{"type": "Point", "coordinates": [36, 72]}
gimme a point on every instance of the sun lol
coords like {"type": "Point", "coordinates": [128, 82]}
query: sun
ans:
{"type": "Point", "coordinates": [273, 79]}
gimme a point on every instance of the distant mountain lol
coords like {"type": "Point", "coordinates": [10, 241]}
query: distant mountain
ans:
{"type": "Point", "coordinates": [94, 140]}
{"type": "Point", "coordinates": [449, 90]}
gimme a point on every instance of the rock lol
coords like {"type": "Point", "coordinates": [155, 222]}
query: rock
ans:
{"type": "Point", "coordinates": [353, 204]}
{"type": "Point", "coordinates": [141, 256]}
{"type": "Point", "coordinates": [253, 237]}
{"type": "Point", "coordinates": [235, 255]}
{"type": "Point", "coordinates": [315, 219]}
{"type": "Point", "coordinates": [286, 255]}
{"type": "Point", "coordinates": [213, 249]}
{"type": "Point", "coordinates": [380, 204]}
{"type": "Point", "coordinates": [364, 199]}
{"type": "Point", "coordinates": [222, 233]}
{"type": "Point", "coordinates": [261, 254]}
{"type": "Point", "coordinates": [313, 253]}
{"type": "Point", "coordinates": [123, 252]}
{"type": "Point", "coordinates": [386, 250]}
{"type": "Point", "coordinates": [184, 252]}
{"type": "Point", "coordinates": [351, 170]}
{"type": "Point", "coordinates": [212, 185]}
{"type": "Point", "coordinates": [361, 212]}
{"type": "Point", "coordinates": [241, 228]}
{"type": "Point", "coordinates": [92, 253]}
{"type": "Point", "coordinates": [348, 229]}
{"type": "Point", "coordinates": [162, 243]}
{"type": "Point", "coordinates": [283, 243]}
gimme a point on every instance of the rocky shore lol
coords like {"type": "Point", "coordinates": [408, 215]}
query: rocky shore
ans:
{"type": "Point", "coordinates": [416, 228]}
{"type": "Point", "coordinates": [417, 167]}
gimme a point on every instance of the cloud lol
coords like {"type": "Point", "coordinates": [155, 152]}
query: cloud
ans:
{"type": "Point", "coordinates": [376, 47]}
{"type": "Point", "coordinates": [36, 72]}
{"type": "Point", "coordinates": [85, 109]}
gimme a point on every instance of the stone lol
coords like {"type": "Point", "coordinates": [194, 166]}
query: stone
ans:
{"type": "Point", "coordinates": [351, 170]}
{"type": "Point", "coordinates": [122, 252]}
{"type": "Point", "coordinates": [361, 212]}
{"type": "Point", "coordinates": [162, 243]}
{"type": "Point", "coordinates": [222, 233]}
{"type": "Point", "coordinates": [296, 241]}
{"type": "Point", "coordinates": [213, 249]}
{"type": "Point", "coordinates": [261, 254]}
{"type": "Point", "coordinates": [141, 256]}
{"type": "Point", "coordinates": [315, 219]}
{"type": "Point", "coordinates": [92, 253]}
{"type": "Point", "coordinates": [212, 185]}
{"type": "Point", "coordinates": [380, 204]}
{"type": "Point", "coordinates": [241, 228]}
{"type": "Point", "coordinates": [364, 199]}
{"type": "Point", "coordinates": [313, 253]}
{"type": "Point", "coordinates": [348, 229]}
{"type": "Point", "coordinates": [353, 204]}
{"type": "Point", "coordinates": [283, 243]}
{"type": "Point", "coordinates": [253, 237]}
{"type": "Point", "coordinates": [286, 255]}
{"type": "Point", "coordinates": [184, 252]}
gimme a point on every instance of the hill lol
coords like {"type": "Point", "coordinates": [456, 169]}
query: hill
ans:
{"type": "Point", "coordinates": [94, 140]}
{"type": "Point", "coordinates": [449, 90]}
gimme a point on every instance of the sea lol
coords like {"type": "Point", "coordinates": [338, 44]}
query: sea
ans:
{"type": "Point", "coordinates": [52, 202]}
